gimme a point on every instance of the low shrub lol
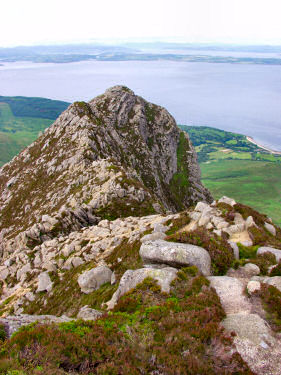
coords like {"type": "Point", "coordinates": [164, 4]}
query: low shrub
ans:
{"type": "Point", "coordinates": [148, 332]}
{"type": "Point", "coordinates": [264, 261]}
{"type": "Point", "coordinates": [247, 252]}
{"type": "Point", "coordinates": [271, 298]}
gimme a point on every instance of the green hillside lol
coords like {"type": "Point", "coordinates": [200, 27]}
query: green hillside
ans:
{"type": "Point", "coordinates": [22, 119]}
{"type": "Point", "coordinates": [233, 166]}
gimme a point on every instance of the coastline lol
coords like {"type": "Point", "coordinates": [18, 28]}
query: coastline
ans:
{"type": "Point", "coordinates": [250, 139]}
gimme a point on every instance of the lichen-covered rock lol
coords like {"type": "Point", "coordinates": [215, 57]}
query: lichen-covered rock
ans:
{"type": "Point", "coordinates": [227, 200]}
{"type": "Point", "coordinates": [94, 278]}
{"type": "Point", "coordinates": [176, 254]}
{"type": "Point", "coordinates": [131, 279]}
{"type": "Point", "coordinates": [231, 293]}
{"type": "Point", "coordinates": [255, 343]}
{"type": "Point", "coordinates": [13, 323]}
{"type": "Point", "coordinates": [270, 228]}
{"type": "Point", "coordinates": [87, 313]}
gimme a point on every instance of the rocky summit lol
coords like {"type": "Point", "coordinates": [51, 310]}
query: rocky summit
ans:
{"type": "Point", "coordinates": [116, 156]}
{"type": "Point", "coordinates": [116, 260]}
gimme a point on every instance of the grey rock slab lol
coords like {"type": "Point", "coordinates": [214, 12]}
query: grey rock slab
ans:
{"type": "Point", "coordinates": [87, 313]}
{"type": "Point", "coordinates": [250, 222]}
{"type": "Point", "coordinates": [132, 278]}
{"type": "Point", "coordinates": [176, 254]}
{"type": "Point", "coordinates": [274, 281]}
{"type": "Point", "coordinates": [272, 250]}
{"type": "Point", "coordinates": [227, 200]}
{"type": "Point", "coordinates": [202, 206]}
{"type": "Point", "coordinates": [158, 227]}
{"type": "Point", "coordinates": [77, 261]}
{"type": "Point", "coordinates": [94, 278]}
{"type": "Point", "coordinates": [231, 293]}
{"type": "Point", "coordinates": [4, 273]}
{"type": "Point", "coordinates": [250, 270]}
{"type": "Point", "coordinates": [44, 282]}
{"type": "Point", "coordinates": [13, 322]}
{"type": "Point", "coordinates": [270, 228]}
{"type": "Point", "coordinates": [255, 343]}
{"type": "Point", "coordinates": [153, 236]}
{"type": "Point", "coordinates": [23, 271]}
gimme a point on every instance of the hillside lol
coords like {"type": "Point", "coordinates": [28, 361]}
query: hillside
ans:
{"type": "Point", "coordinates": [116, 260]}
{"type": "Point", "coordinates": [232, 165]}
{"type": "Point", "coordinates": [22, 119]}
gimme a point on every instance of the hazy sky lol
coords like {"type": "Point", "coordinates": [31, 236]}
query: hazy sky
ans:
{"type": "Point", "coordinates": [43, 21]}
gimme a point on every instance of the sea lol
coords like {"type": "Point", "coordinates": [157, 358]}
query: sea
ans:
{"type": "Point", "coordinates": [242, 98]}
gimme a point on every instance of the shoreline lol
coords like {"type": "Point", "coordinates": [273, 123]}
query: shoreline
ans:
{"type": "Point", "coordinates": [250, 139]}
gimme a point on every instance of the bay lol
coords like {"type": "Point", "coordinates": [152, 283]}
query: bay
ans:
{"type": "Point", "coordinates": [243, 98]}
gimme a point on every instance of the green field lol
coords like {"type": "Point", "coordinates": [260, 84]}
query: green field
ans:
{"type": "Point", "coordinates": [255, 183]}
{"type": "Point", "coordinates": [235, 167]}
{"type": "Point", "coordinates": [21, 120]}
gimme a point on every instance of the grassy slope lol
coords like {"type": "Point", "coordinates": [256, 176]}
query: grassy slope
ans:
{"type": "Point", "coordinates": [21, 119]}
{"type": "Point", "coordinates": [233, 166]}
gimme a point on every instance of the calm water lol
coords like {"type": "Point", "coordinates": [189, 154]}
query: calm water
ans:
{"type": "Point", "coordinates": [239, 98]}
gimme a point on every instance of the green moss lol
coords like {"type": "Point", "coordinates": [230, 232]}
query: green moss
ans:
{"type": "Point", "coordinates": [246, 252]}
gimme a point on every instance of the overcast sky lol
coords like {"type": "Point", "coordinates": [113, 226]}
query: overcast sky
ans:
{"type": "Point", "coordinates": [46, 21]}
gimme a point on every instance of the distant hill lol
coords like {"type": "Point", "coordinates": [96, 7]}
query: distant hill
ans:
{"type": "Point", "coordinates": [22, 119]}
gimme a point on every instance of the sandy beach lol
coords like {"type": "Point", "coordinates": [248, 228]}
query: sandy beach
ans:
{"type": "Point", "coordinates": [250, 139]}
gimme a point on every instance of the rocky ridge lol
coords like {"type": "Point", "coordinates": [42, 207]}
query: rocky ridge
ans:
{"type": "Point", "coordinates": [115, 156]}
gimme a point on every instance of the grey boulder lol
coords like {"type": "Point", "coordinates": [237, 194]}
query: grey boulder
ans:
{"type": "Point", "coordinates": [176, 254]}
{"type": "Point", "coordinates": [94, 278]}
{"type": "Point", "coordinates": [44, 282]}
{"type": "Point", "coordinates": [131, 279]}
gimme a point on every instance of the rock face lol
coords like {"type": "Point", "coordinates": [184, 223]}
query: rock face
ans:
{"type": "Point", "coordinates": [255, 343]}
{"type": "Point", "coordinates": [176, 254]}
{"type": "Point", "coordinates": [117, 155]}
